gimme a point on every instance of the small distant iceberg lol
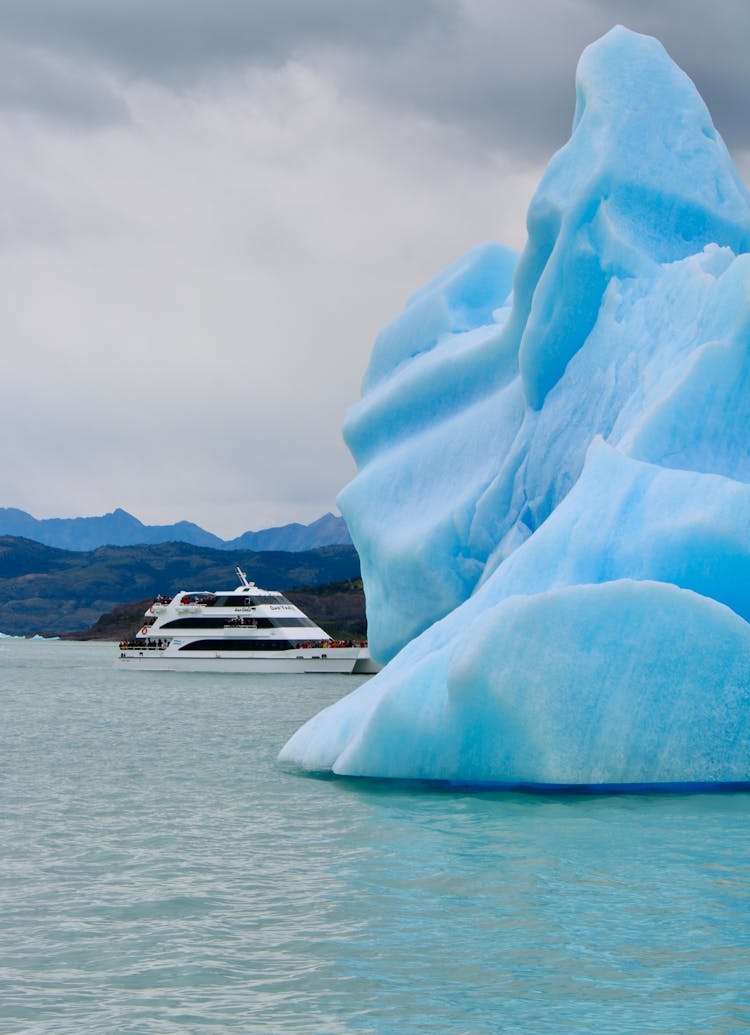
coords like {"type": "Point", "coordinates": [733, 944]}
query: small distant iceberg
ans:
{"type": "Point", "coordinates": [36, 636]}
{"type": "Point", "coordinates": [552, 505]}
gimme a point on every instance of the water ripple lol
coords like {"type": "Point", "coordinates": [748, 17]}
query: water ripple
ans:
{"type": "Point", "coordinates": [162, 874]}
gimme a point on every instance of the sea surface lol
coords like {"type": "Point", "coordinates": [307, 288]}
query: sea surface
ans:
{"type": "Point", "coordinates": [161, 873]}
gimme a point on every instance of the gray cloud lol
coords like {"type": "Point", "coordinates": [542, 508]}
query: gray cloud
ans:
{"type": "Point", "coordinates": [42, 84]}
{"type": "Point", "coordinates": [170, 40]}
{"type": "Point", "coordinates": [505, 71]}
{"type": "Point", "coordinates": [189, 300]}
{"type": "Point", "coordinates": [500, 73]}
{"type": "Point", "coordinates": [266, 185]}
{"type": "Point", "coordinates": [63, 60]}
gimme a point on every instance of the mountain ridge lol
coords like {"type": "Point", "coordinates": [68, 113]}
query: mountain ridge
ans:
{"type": "Point", "coordinates": [119, 528]}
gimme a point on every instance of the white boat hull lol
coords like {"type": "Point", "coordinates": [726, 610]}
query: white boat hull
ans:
{"type": "Point", "coordinates": [338, 660]}
{"type": "Point", "coordinates": [365, 665]}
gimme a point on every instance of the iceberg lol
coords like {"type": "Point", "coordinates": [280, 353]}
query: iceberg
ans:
{"type": "Point", "coordinates": [552, 504]}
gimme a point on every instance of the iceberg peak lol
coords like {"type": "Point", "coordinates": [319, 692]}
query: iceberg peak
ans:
{"type": "Point", "coordinates": [645, 178]}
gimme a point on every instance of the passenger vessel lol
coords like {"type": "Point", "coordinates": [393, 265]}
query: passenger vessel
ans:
{"type": "Point", "coordinates": [247, 629]}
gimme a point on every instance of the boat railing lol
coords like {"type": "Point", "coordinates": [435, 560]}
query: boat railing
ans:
{"type": "Point", "coordinates": [151, 645]}
{"type": "Point", "coordinates": [328, 644]}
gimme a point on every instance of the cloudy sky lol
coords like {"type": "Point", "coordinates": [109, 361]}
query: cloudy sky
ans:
{"type": "Point", "coordinates": [208, 210]}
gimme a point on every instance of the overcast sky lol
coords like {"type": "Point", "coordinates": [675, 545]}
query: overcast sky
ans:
{"type": "Point", "coordinates": [209, 209]}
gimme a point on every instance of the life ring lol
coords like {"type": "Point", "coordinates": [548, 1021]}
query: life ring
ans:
{"type": "Point", "coordinates": [144, 630]}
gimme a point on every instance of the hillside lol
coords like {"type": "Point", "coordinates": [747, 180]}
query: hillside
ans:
{"type": "Point", "coordinates": [43, 589]}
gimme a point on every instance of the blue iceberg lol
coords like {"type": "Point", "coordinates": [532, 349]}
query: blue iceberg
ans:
{"type": "Point", "coordinates": [552, 505]}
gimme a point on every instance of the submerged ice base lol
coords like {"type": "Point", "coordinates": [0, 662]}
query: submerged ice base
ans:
{"type": "Point", "coordinates": [552, 505]}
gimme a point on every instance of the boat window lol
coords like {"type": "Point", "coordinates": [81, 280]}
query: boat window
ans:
{"type": "Point", "coordinates": [198, 622]}
{"type": "Point", "coordinates": [241, 621]}
{"type": "Point", "coordinates": [246, 600]}
{"type": "Point", "coordinates": [261, 622]}
{"type": "Point", "coordinates": [248, 644]}
{"type": "Point", "coordinates": [270, 598]}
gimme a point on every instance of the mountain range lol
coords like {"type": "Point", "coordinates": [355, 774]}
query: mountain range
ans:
{"type": "Point", "coordinates": [122, 529]}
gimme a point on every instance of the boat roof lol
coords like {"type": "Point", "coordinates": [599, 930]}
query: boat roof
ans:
{"type": "Point", "coordinates": [226, 592]}
{"type": "Point", "coordinates": [245, 586]}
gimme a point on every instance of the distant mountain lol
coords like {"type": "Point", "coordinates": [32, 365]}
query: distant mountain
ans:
{"type": "Point", "coordinates": [48, 590]}
{"type": "Point", "coordinates": [122, 529]}
{"type": "Point", "coordinates": [326, 531]}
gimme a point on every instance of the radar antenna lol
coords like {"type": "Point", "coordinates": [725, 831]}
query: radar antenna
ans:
{"type": "Point", "coordinates": [243, 578]}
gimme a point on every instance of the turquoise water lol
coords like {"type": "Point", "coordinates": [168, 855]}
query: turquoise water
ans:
{"type": "Point", "coordinates": [161, 873]}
